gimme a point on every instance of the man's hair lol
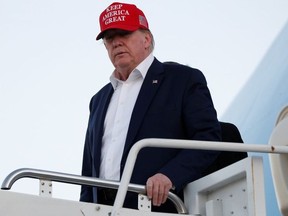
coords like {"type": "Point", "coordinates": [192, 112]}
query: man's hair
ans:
{"type": "Point", "coordinates": [152, 45]}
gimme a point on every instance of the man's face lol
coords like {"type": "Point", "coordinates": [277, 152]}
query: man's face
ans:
{"type": "Point", "coordinates": [127, 49]}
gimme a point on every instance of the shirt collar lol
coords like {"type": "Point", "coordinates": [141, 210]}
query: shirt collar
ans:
{"type": "Point", "coordinates": [139, 71]}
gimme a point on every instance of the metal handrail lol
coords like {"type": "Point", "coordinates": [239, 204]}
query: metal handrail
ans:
{"type": "Point", "coordinates": [81, 180]}
{"type": "Point", "coordinates": [125, 185]}
{"type": "Point", "coordinates": [183, 144]}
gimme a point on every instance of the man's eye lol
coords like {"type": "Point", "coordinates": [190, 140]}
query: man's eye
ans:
{"type": "Point", "coordinates": [124, 33]}
{"type": "Point", "coordinates": [108, 38]}
{"type": "Point", "coordinates": [120, 33]}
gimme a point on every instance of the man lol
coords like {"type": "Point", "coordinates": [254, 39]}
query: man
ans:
{"type": "Point", "coordinates": [145, 99]}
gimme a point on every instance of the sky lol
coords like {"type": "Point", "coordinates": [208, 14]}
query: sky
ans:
{"type": "Point", "coordinates": [51, 65]}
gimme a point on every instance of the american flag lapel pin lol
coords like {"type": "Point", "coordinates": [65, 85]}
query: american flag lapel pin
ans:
{"type": "Point", "coordinates": [154, 81]}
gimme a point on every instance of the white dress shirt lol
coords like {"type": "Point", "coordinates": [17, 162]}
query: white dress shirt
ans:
{"type": "Point", "coordinates": [118, 118]}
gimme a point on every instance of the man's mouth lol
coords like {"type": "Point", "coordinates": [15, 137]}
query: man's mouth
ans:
{"type": "Point", "coordinates": [119, 53]}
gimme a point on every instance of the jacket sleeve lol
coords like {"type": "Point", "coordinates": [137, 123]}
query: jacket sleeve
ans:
{"type": "Point", "coordinates": [86, 194]}
{"type": "Point", "coordinates": [201, 123]}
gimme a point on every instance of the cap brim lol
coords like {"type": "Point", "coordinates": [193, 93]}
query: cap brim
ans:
{"type": "Point", "coordinates": [124, 27]}
{"type": "Point", "coordinates": [100, 35]}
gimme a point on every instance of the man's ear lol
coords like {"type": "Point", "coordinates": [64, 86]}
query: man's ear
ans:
{"type": "Point", "coordinates": [148, 40]}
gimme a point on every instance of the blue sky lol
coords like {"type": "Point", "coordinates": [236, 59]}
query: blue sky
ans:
{"type": "Point", "coordinates": [51, 66]}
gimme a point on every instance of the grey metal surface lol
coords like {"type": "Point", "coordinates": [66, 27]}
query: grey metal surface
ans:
{"type": "Point", "coordinates": [80, 180]}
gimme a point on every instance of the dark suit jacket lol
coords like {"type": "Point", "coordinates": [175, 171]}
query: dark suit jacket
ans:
{"type": "Point", "coordinates": [178, 106]}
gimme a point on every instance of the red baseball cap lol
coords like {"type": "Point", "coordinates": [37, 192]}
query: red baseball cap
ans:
{"type": "Point", "coordinates": [121, 16]}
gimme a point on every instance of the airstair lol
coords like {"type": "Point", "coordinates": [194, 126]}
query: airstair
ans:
{"type": "Point", "coordinates": [236, 190]}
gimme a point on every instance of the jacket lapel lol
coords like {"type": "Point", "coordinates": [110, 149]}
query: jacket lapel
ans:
{"type": "Point", "coordinates": [99, 126]}
{"type": "Point", "coordinates": [150, 85]}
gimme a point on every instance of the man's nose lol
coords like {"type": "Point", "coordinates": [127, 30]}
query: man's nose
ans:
{"type": "Point", "coordinates": [116, 41]}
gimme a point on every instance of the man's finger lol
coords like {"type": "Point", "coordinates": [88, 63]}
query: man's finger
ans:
{"type": "Point", "coordinates": [149, 188]}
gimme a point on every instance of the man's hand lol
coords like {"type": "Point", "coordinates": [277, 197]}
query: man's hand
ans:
{"type": "Point", "coordinates": [157, 188]}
